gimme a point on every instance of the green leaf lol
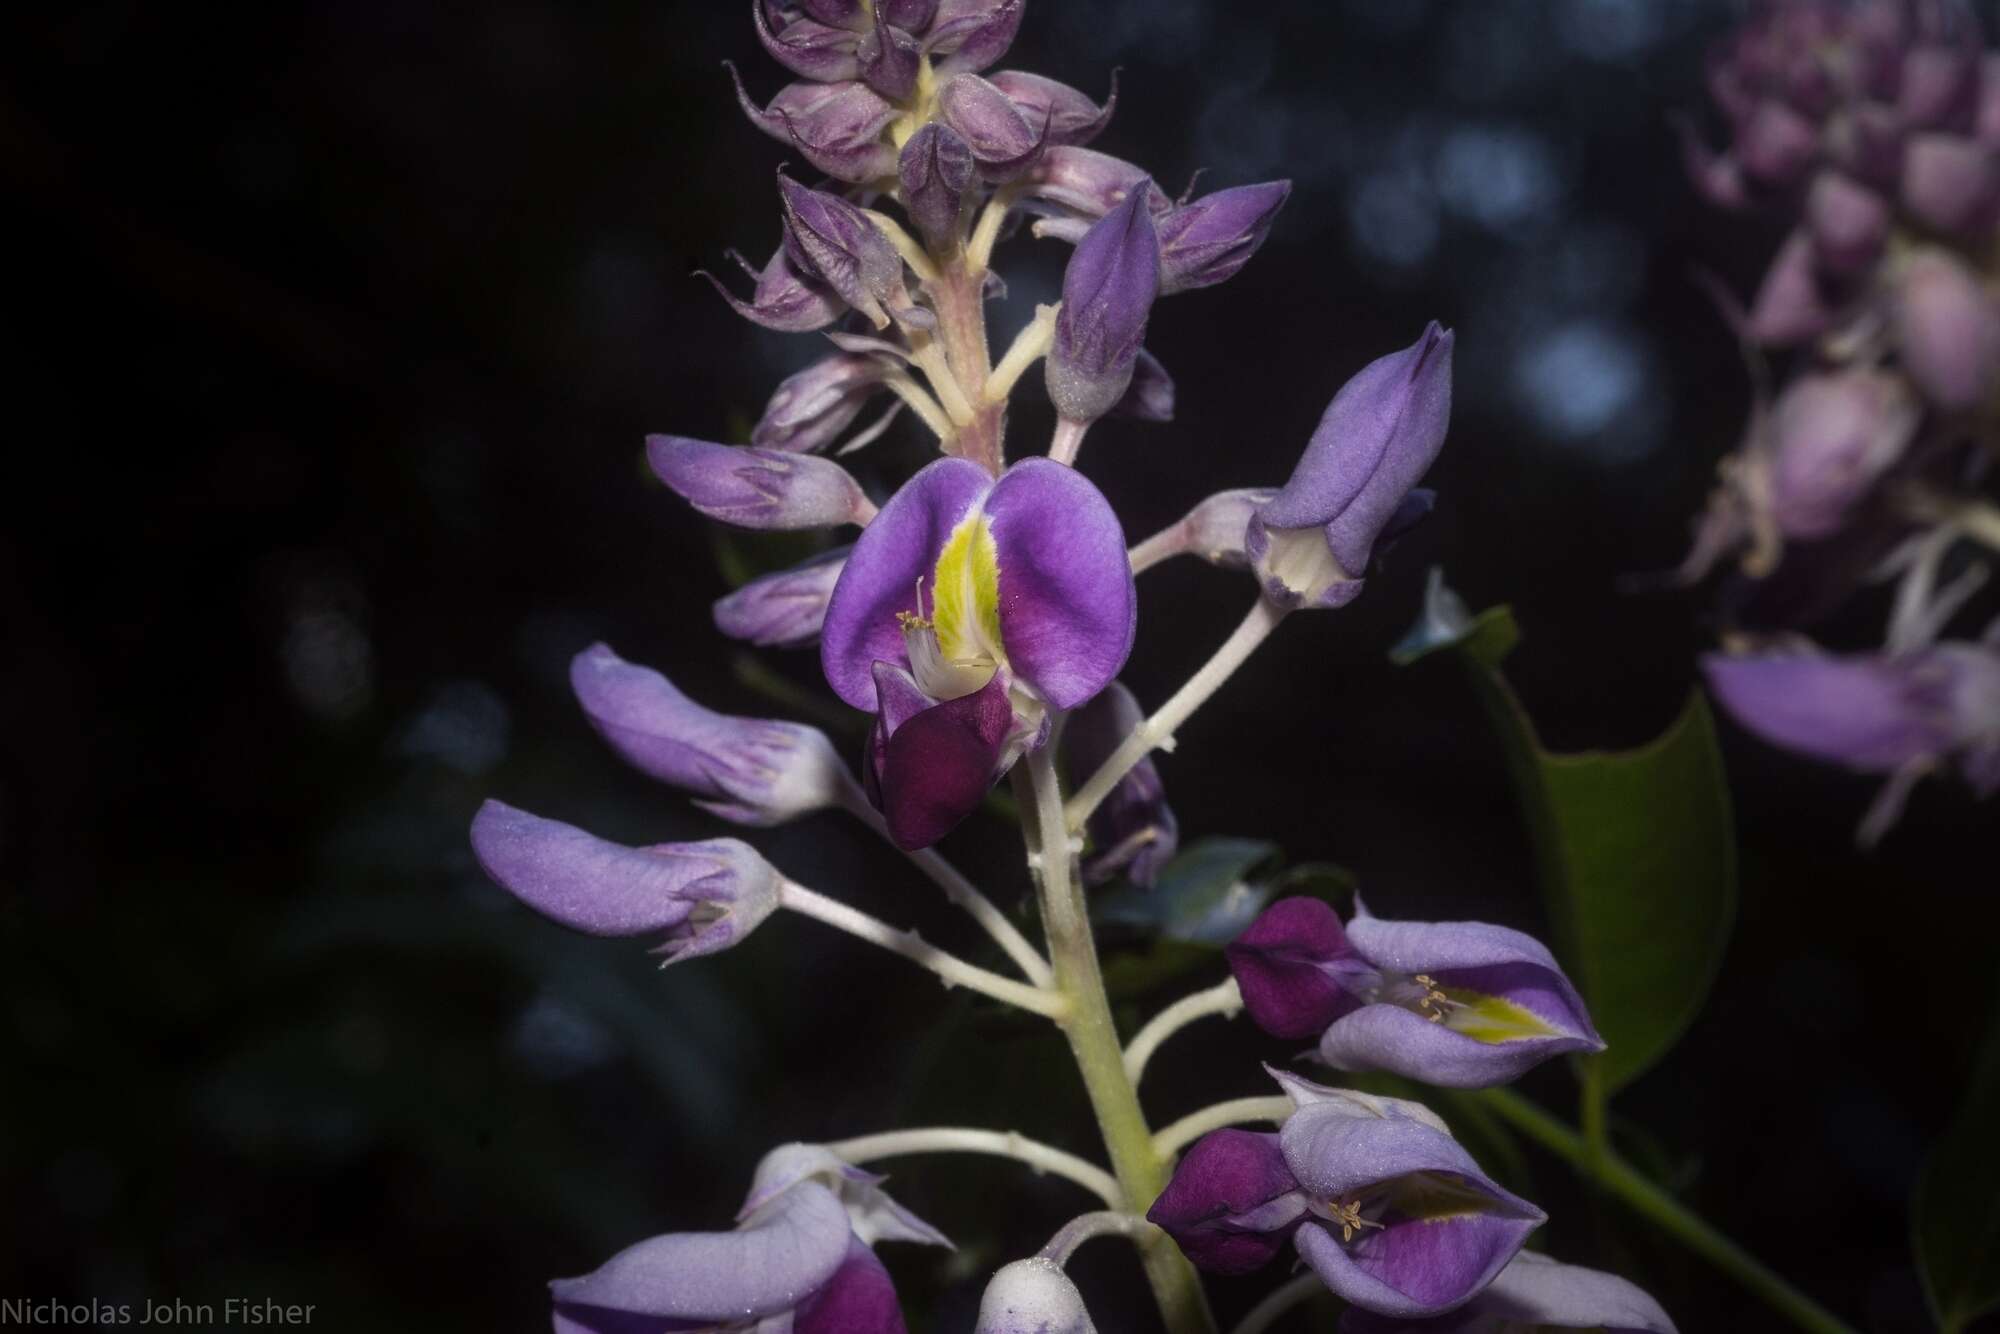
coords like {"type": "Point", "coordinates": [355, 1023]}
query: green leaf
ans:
{"type": "Point", "coordinates": [1204, 895]}
{"type": "Point", "coordinates": [1955, 1211]}
{"type": "Point", "coordinates": [1635, 852]}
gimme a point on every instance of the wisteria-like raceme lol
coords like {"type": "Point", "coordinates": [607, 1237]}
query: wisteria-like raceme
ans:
{"type": "Point", "coordinates": [1873, 126]}
{"type": "Point", "coordinates": [980, 619]}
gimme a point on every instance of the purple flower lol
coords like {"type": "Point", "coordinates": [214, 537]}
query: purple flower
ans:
{"type": "Point", "coordinates": [935, 170]}
{"type": "Point", "coordinates": [967, 609]}
{"type": "Point", "coordinates": [1108, 292]}
{"type": "Point", "coordinates": [1789, 306]}
{"type": "Point", "coordinates": [806, 46]}
{"type": "Point", "coordinates": [835, 126]}
{"type": "Point", "coordinates": [1947, 330]}
{"type": "Point", "coordinates": [832, 241]}
{"type": "Point", "coordinates": [705, 896]}
{"type": "Point", "coordinates": [1207, 241]}
{"type": "Point", "coordinates": [799, 1258]}
{"type": "Point", "coordinates": [1056, 112]}
{"type": "Point", "coordinates": [783, 610]}
{"type": "Point", "coordinates": [1133, 830]}
{"type": "Point", "coordinates": [1375, 1195]}
{"type": "Point", "coordinates": [784, 300]}
{"type": "Point", "coordinates": [1898, 715]}
{"type": "Point", "coordinates": [810, 408]}
{"type": "Point", "coordinates": [1003, 144]}
{"type": "Point", "coordinates": [1311, 544]}
{"type": "Point", "coordinates": [1535, 1292]}
{"type": "Point", "coordinates": [971, 34]}
{"type": "Point", "coordinates": [1849, 222]}
{"type": "Point", "coordinates": [752, 771]}
{"type": "Point", "coordinates": [1951, 183]}
{"type": "Point", "coordinates": [1456, 1004]}
{"type": "Point", "coordinates": [1032, 1296]}
{"type": "Point", "coordinates": [1832, 436]}
{"type": "Point", "coordinates": [1084, 185]}
{"type": "Point", "coordinates": [758, 488]}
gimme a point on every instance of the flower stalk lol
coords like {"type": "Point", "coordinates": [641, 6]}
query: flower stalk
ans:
{"type": "Point", "coordinates": [1093, 1040]}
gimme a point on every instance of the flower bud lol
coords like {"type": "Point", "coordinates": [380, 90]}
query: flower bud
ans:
{"type": "Point", "coordinates": [1002, 142]}
{"type": "Point", "coordinates": [1207, 241]}
{"type": "Point", "coordinates": [1311, 544]}
{"type": "Point", "coordinates": [1056, 112]}
{"type": "Point", "coordinates": [1951, 184]}
{"type": "Point", "coordinates": [1940, 87]}
{"type": "Point", "coordinates": [809, 48]}
{"type": "Point", "coordinates": [1150, 396]}
{"type": "Point", "coordinates": [784, 299]}
{"type": "Point", "coordinates": [758, 488]}
{"type": "Point", "coordinates": [1849, 222]}
{"type": "Point", "coordinates": [1133, 831]}
{"type": "Point", "coordinates": [1947, 330]}
{"type": "Point", "coordinates": [833, 241]}
{"type": "Point", "coordinates": [1832, 436]}
{"type": "Point", "coordinates": [783, 610]}
{"type": "Point", "coordinates": [888, 58]}
{"type": "Point", "coordinates": [705, 896]}
{"type": "Point", "coordinates": [936, 169]}
{"type": "Point", "coordinates": [835, 126]}
{"type": "Point", "coordinates": [1032, 1296]}
{"type": "Point", "coordinates": [1088, 183]}
{"type": "Point", "coordinates": [971, 34]}
{"type": "Point", "coordinates": [1789, 306]}
{"type": "Point", "coordinates": [1108, 293]}
{"type": "Point", "coordinates": [752, 771]}
{"type": "Point", "coordinates": [810, 408]}
{"type": "Point", "coordinates": [1777, 144]}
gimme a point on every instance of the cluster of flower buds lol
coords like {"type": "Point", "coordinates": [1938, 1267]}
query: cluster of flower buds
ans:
{"type": "Point", "coordinates": [983, 614]}
{"type": "Point", "coordinates": [1874, 126]}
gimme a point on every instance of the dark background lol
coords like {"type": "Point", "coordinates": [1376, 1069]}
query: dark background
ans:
{"type": "Point", "coordinates": [334, 332]}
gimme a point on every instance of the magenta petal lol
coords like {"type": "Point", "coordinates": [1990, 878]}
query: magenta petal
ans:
{"type": "Point", "coordinates": [858, 1299]}
{"type": "Point", "coordinates": [1280, 962]}
{"type": "Point", "coordinates": [1068, 610]}
{"type": "Point", "coordinates": [897, 550]}
{"type": "Point", "coordinates": [721, 1278]}
{"type": "Point", "coordinates": [937, 767]}
{"type": "Point", "coordinates": [1232, 1202]}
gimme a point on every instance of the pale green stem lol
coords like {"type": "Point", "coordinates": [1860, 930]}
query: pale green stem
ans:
{"type": "Point", "coordinates": [1224, 998]}
{"type": "Point", "coordinates": [1093, 1040]}
{"type": "Point", "coordinates": [1663, 1210]}
{"type": "Point", "coordinates": [1158, 730]}
{"type": "Point", "coordinates": [1235, 1112]}
{"type": "Point", "coordinates": [955, 971]}
{"type": "Point", "coordinates": [961, 893]}
{"type": "Point", "coordinates": [996, 1143]}
{"type": "Point", "coordinates": [1265, 1313]}
{"type": "Point", "coordinates": [920, 401]}
{"type": "Point", "coordinates": [1029, 347]}
{"type": "Point", "coordinates": [1067, 442]}
{"type": "Point", "coordinates": [1086, 1227]}
{"type": "Point", "coordinates": [1163, 545]}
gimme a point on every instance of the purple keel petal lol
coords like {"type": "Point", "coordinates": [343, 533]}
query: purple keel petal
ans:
{"type": "Point", "coordinates": [898, 550]}
{"type": "Point", "coordinates": [722, 1277]}
{"type": "Point", "coordinates": [1535, 1290]}
{"type": "Point", "coordinates": [1492, 960]}
{"type": "Point", "coordinates": [937, 767]}
{"type": "Point", "coordinates": [1281, 965]}
{"type": "Point", "coordinates": [858, 1299]}
{"type": "Point", "coordinates": [1232, 1202]}
{"type": "Point", "coordinates": [1400, 1041]}
{"type": "Point", "coordinates": [1068, 610]}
